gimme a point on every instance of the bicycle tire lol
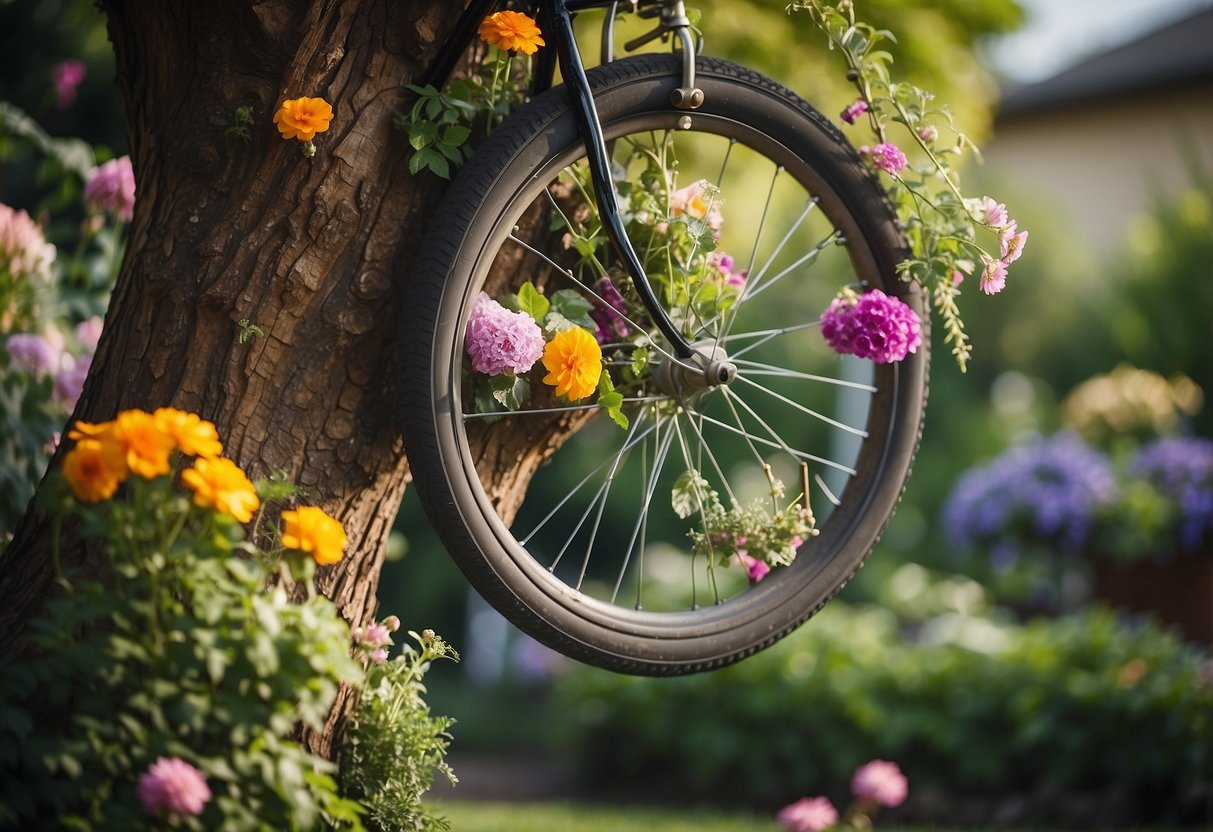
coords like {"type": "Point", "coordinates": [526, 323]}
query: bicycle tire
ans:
{"type": "Point", "coordinates": [467, 235]}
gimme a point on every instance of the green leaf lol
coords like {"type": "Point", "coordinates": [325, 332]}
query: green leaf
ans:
{"type": "Point", "coordinates": [611, 400]}
{"type": "Point", "coordinates": [573, 308]}
{"type": "Point", "coordinates": [687, 494]}
{"type": "Point", "coordinates": [456, 134]}
{"type": "Point", "coordinates": [532, 302]}
{"type": "Point", "coordinates": [511, 391]}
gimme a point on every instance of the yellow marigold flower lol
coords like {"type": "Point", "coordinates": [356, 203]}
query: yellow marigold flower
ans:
{"type": "Point", "coordinates": [511, 31]}
{"type": "Point", "coordinates": [145, 443]}
{"type": "Point", "coordinates": [88, 430]}
{"type": "Point", "coordinates": [303, 118]}
{"type": "Point", "coordinates": [309, 529]}
{"type": "Point", "coordinates": [93, 470]}
{"type": "Point", "coordinates": [574, 363]}
{"type": "Point", "coordinates": [194, 435]}
{"type": "Point", "coordinates": [220, 484]}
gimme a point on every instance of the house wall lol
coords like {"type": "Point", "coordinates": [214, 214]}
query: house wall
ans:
{"type": "Point", "coordinates": [1104, 163]}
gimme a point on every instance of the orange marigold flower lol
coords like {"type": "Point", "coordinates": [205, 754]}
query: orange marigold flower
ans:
{"type": "Point", "coordinates": [89, 430]}
{"type": "Point", "coordinates": [574, 363]}
{"type": "Point", "coordinates": [93, 470]}
{"type": "Point", "coordinates": [303, 118]}
{"type": "Point", "coordinates": [511, 31]}
{"type": "Point", "coordinates": [220, 484]}
{"type": "Point", "coordinates": [145, 443]}
{"type": "Point", "coordinates": [194, 435]}
{"type": "Point", "coordinates": [309, 529]}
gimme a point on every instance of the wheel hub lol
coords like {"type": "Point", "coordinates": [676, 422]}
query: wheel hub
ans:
{"type": "Point", "coordinates": [708, 367]}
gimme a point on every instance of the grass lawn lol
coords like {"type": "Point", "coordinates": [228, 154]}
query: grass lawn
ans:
{"type": "Point", "coordinates": [548, 817]}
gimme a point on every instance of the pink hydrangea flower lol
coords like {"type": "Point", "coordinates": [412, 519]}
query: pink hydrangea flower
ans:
{"type": "Point", "coordinates": [886, 156]}
{"type": "Point", "coordinates": [992, 212]}
{"type": "Point", "coordinates": [66, 76]}
{"type": "Point", "coordinates": [809, 814]}
{"type": "Point", "coordinates": [755, 568]}
{"type": "Point", "coordinates": [38, 355]}
{"type": "Point", "coordinates": [854, 110]}
{"type": "Point", "coordinates": [1011, 241]}
{"type": "Point", "coordinates": [500, 341]}
{"type": "Point", "coordinates": [874, 326]}
{"type": "Point", "coordinates": [173, 786]}
{"type": "Point", "coordinates": [880, 782]}
{"type": "Point", "coordinates": [111, 187]}
{"type": "Point", "coordinates": [993, 275]}
{"type": "Point", "coordinates": [24, 250]}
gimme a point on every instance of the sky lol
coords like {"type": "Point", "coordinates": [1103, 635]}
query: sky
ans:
{"type": "Point", "coordinates": [1059, 33]}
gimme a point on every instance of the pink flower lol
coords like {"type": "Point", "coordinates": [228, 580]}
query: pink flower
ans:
{"type": "Point", "coordinates": [854, 110]}
{"type": "Point", "coordinates": [874, 325]}
{"type": "Point", "coordinates": [37, 354]}
{"type": "Point", "coordinates": [724, 263]}
{"type": "Point", "coordinates": [111, 187]}
{"type": "Point", "coordinates": [379, 656]}
{"type": "Point", "coordinates": [993, 275]}
{"type": "Point", "coordinates": [69, 383]}
{"type": "Point", "coordinates": [88, 333]}
{"type": "Point", "coordinates": [500, 341]}
{"type": "Point", "coordinates": [992, 213]}
{"type": "Point", "coordinates": [809, 814]}
{"type": "Point", "coordinates": [376, 635]}
{"type": "Point", "coordinates": [886, 156]}
{"type": "Point", "coordinates": [958, 277]}
{"type": "Point", "coordinates": [1011, 241]}
{"type": "Point", "coordinates": [880, 782]}
{"type": "Point", "coordinates": [700, 201]}
{"type": "Point", "coordinates": [929, 133]}
{"type": "Point", "coordinates": [23, 247]}
{"type": "Point", "coordinates": [755, 569]}
{"type": "Point", "coordinates": [52, 444]}
{"type": "Point", "coordinates": [66, 76]}
{"type": "Point", "coordinates": [174, 787]}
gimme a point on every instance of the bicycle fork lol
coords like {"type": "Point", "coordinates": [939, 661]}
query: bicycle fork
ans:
{"type": "Point", "coordinates": [673, 19]}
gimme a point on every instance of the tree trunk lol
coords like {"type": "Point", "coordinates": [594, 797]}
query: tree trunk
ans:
{"type": "Point", "coordinates": [311, 251]}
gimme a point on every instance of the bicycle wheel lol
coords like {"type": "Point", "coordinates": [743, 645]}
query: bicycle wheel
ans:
{"type": "Point", "coordinates": [638, 548]}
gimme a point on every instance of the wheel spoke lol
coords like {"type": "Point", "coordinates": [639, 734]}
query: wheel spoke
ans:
{"type": "Point", "coordinates": [808, 411]}
{"type": "Point", "coordinates": [755, 368]}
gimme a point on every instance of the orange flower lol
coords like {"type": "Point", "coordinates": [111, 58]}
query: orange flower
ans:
{"type": "Point", "coordinates": [303, 118]}
{"type": "Point", "coordinates": [219, 484]}
{"type": "Point", "coordinates": [93, 470]}
{"type": "Point", "coordinates": [309, 529]}
{"type": "Point", "coordinates": [574, 363]}
{"type": "Point", "coordinates": [144, 442]}
{"type": "Point", "coordinates": [511, 31]}
{"type": "Point", "coordinates": [194, 436]}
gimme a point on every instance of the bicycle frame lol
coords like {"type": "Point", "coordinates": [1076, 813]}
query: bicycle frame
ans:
{"type": "Point", "coordinates": [556, 19]}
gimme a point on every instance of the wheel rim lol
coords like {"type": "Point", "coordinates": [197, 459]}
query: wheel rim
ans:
{"type": "Point", "coordinates": [628, 596]}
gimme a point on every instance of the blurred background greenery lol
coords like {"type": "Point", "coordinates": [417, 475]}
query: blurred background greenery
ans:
{"type": "Point", "coordinates": [930, 656]}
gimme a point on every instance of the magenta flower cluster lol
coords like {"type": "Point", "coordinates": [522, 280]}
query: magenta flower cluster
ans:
{"type": "Point", "coordinates": [874, 326]}
{"type": "Point", "coordinates": [47, 354]}
{"type": "Point", "coordinates": [501, 341]}
{"type": "Point", "coordinates": [878, 783]}
{"type": "Point", "coordinates": [1011, 242]}
{"type": "Point", "coordinates": [173, 787]}
{"type": "Point", "coordinates": [111, 187]}
{"type": "Point", "coordinates": [886, 156]}
{"type": "Point", "coordinates": [854, 110]}
{"type": "Point", "coordinates": [608, 317]}
{"type": "Point", "coordinates": [376, 638]}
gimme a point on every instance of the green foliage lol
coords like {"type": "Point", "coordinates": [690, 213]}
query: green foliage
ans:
{"type": "Point", "coordinates": [965, 705]}
{"type": "Point", "coordinates": [176, 650]}
{"type": "Point", "coordinates": [393, 744]}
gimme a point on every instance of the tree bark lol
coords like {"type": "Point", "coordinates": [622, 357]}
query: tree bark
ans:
{"type": "Point", "coordinates": [311, 251]}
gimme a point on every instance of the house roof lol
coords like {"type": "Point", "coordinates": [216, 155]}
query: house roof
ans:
{"type": "Point", "coordinates": [1178, 54]}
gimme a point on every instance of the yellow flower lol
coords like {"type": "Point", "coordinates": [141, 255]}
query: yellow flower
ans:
{"type": "Point", "coordinates": [93, 470]}
{"type": "Point", "coordinates": [145, 443]}
{"type": "Point", "coordinates": [303, 118]}
{"type": "Point", "coordinates": [309, 529]}
{"type": "Point", "coordinates": [574, 363]}
{"type": "Point", "coordinates": [221, 485]}
{"type": "Point", "coordinates": [194, 436]}
{"type": "Point", "coordinates": [511, 31]}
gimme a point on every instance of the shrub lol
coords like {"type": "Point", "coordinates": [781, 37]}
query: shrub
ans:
{"type": "Point", "coordinates": [968, 706]}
